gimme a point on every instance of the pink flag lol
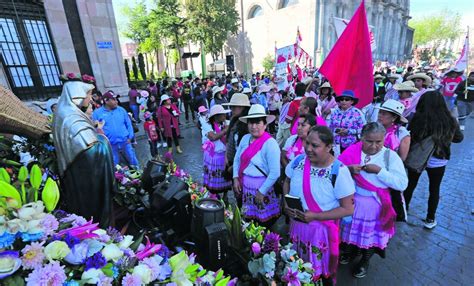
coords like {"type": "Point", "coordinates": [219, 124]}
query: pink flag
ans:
{"type": "Point", "coordinates": [349, 64]}
{"type": "Point", "coordinates": [461, 63]}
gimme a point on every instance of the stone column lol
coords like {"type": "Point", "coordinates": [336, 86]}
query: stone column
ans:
{"type": "Point", "coordinates": [98, 24]}
{"type": "Point", "coordinates": [61, 36]}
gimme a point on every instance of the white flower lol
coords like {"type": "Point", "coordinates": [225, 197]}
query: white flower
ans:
{"type": "Point", "coordinates": [31, 211]}
{"type": "Point", "coordinates": [144, 272]}
{"type": "Point", "coordinates": [91, 276]}
{"type": "Point", "coordinates": [112, 252]}
{"type": "Point", "coordinates": [34, 226]}
{"type": "Point", "coordinates": [16, 225]}
{"type": "Point", "coordinates": [126, 242]}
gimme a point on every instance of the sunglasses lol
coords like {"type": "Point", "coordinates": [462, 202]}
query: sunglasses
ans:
{"type": "Point", "coordinates": [345, 99]}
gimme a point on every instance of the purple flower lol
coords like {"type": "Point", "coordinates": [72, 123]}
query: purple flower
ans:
{"type": "Point", "coordinates": [105, 280]}
{"type": "Point", "coordinates": [78, 253]}
{"type": "Point", "coordinates": [256, 248]}
{"type": "Point", "coordinates": [50, 224]}
{"type": "Point", "coordinates": [96, 261]}
{"type": "Point", "coordinates": [132, 280]}
{"type": "Point", "coordinates": [75, 220]}
{"type": "Point", "coordinates": [164, 252]}
{"type": "Point", "coordinates": [60, 214]}
{"type": "Point", "coordinates": [33, 255]}
{"type": "Point", "coordinates": [119, 176]}
{"type": "Point", "coordinates": [51, 274]}
{"type": "Point", "coordinates": [10, 262]}
{"type": "Point", "coordinates": [114, 234]}
{"type": "Point", "coordinates": [271, 242]}
{"type": "Point", "coordinates": [291, 277]}
{"type": "Point", "coordinates": [70, 240]}
{"type": "Point", "coordinates": [154, 266]}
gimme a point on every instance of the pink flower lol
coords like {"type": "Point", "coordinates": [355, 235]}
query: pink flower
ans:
{"type": "Point", "coordinates": [132, 280]}
{"type": "Point", "coordinates": [149, 249]}
{"type": "Point", "coordinates": [33, 255]}
{"type": "Point", "coordinates": [51, 274]}
{"type": "Point", "coordinates": [81, 232]}
{"type": "Point", "coordinates": [71, 75]}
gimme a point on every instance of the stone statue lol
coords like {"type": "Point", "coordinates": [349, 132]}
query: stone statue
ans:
{"type": "Point", "coordinates": [85, 162]}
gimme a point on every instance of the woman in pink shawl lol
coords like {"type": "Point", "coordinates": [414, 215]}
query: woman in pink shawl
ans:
{"type": "Point", "coordinates": [256, 169]}
{"type": "Point", "coordinates": [308, 105]}
{"type": "Point", "coordinates": [325, 189]}
{"type": "Point", "coordinates": [375, 170]}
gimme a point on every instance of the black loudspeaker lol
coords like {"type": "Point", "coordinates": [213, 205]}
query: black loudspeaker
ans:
{"type": "Point", "coordinates": [171, 205]}
{"type": "Point", "coordinates": [206, 212]}
{"type": "Point", "coordinates": [154, 173]}
{"type": "Point", "coordinates": [214, 248]}
{"type": "Point", "coordinates": [229, 62]}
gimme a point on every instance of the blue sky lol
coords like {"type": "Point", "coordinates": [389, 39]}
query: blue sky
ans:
{"type": "Point", "coordinates": [420, 8]}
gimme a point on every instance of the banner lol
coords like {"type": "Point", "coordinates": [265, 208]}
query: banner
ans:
{"type": "Point", "coordinates": [282, 55]}
{"type": "Point", "coordinates": [341, 24]}
{"type": "Point", "coordinates": [461, 63]}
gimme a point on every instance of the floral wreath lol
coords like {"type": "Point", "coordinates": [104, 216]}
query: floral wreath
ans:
{"type": "Point", "coordinates": [77, 77]}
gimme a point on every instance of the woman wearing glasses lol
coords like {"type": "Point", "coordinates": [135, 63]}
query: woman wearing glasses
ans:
{"type": "Point", "coordinates": [346, 121]}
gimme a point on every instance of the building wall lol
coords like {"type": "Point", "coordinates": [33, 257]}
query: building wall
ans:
{"type": "Point", "coordinates": [61, 36]}
{"type": "Point", "coordinates": [258, 36]}
{"type": "Point", "coordinates": [98, 24]}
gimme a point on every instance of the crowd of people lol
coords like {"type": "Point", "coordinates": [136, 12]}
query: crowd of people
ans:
{"type": "Point", "coordinates": [352, 171]}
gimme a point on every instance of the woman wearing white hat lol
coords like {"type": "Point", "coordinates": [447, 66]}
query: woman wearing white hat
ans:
{"type": "Point", "coordinates": [239, 105]}
{"type": "Point", "coordinates": [217, 97]}
{"type": "Point", "coordinates": [213, 145]}
{"type": "Point", "coordinates": [167, 115]}
{"type": "Point", "coordinates": [422, 83]}
{"type": "Point", "coordinates": [405, 94]}
{"type": "Point", "coordinates": [397, 138]}
{"type": "Point", "coordinates": [326, 99]}
{"type": "Point", "coordinates": [257, 168]}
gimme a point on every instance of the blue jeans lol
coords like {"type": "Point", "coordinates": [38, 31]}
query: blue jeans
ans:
{"type": "Point", "coordinates": [134, 109]}
{"type": "Point", "coordinates": [450, 102]}
{"type": "Point", "coordinates": [128, 151]}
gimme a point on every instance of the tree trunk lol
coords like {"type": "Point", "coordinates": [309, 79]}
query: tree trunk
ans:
{"type": "Point", "coordinates": [146, 63]}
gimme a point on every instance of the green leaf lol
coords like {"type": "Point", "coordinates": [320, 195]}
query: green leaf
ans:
{"type": "Point", "coordinates": [202, 273]}
{"type": "Point", "coordinates": [8, 191]}
{"type": "Point", "coordinates": [191, 268]}
{"type": "Point", "coordinates": [137, 241]}
{"type": "Point", "coordinates": [4, 176]}
{"type": "Point", "coordinates": [219, 275]}
{"type": "Point", "coordinates": [223, 282]}
{"type": "Point", "coordinates": [36, 177]}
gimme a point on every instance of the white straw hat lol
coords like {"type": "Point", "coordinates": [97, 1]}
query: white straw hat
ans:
{"type": "Point", "coordinates": [234, 80]}
{"type": "Point", "coordinates": [238, 99]}
{"type": "Point", "coordinates": [394, 107]}
{"type": "Point", "coordinates": [217, 109]}
{"type": "Point", "coordinates": [406, 86]}
{"type": "Point", "coordinates": [257, 111]}
{"type": "Point", "coordinates": [422, 76]}
{"type": "Point", "coordinates": [217, 89]}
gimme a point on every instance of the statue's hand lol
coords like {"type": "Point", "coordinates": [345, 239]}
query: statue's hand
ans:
{"type": "Point", "coordinates": [100, 124]}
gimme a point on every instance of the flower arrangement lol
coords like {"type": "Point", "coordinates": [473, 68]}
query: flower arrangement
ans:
{"type": "Point", "coordinates": [273, 262]}
{"type": "Point", "coordinates": [130, 193]}
{"type": "Point", "coordinates": [72, 251]}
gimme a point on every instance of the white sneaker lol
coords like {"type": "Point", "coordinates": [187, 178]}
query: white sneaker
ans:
{"type": "Point", "coordinates": [430, 223]}
{"type": "Point", "coordinates": [462, 127]}
{"type": "Point", "coordinates": [158, 145]}
{"type": "Point", "coordinates": [165, 145]}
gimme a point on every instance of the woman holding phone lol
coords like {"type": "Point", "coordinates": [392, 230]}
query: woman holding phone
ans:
{"type": "Point", "coordinates": [326, 189]}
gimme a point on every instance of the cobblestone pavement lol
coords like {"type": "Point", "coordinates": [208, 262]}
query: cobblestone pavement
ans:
{"type": "Point", "coordinates": [415, 256]}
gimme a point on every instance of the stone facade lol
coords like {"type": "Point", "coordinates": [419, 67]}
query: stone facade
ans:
{"type": "Point", "coordinates": [78, 49]}
{"type": "Point", "coordinates": [269, 23]}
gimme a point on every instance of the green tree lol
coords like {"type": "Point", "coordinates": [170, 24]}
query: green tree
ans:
{"type": "Point", "coordinates": [127, 69]}
{"type": "Point", "coordinates": [141, 66]}
{"type": "Point", "coordinates": [138, 22]}
{"type": "Point", "coordinates": [167, 25]}
{"type": "Point", "coordinates": [435, 30]}
{"type": "Point", "coordinates": [268, 63]}
{"type": "Point", "coordinates": [134, 69]}
{"type": "Point", "coordinates": [210, 22]}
